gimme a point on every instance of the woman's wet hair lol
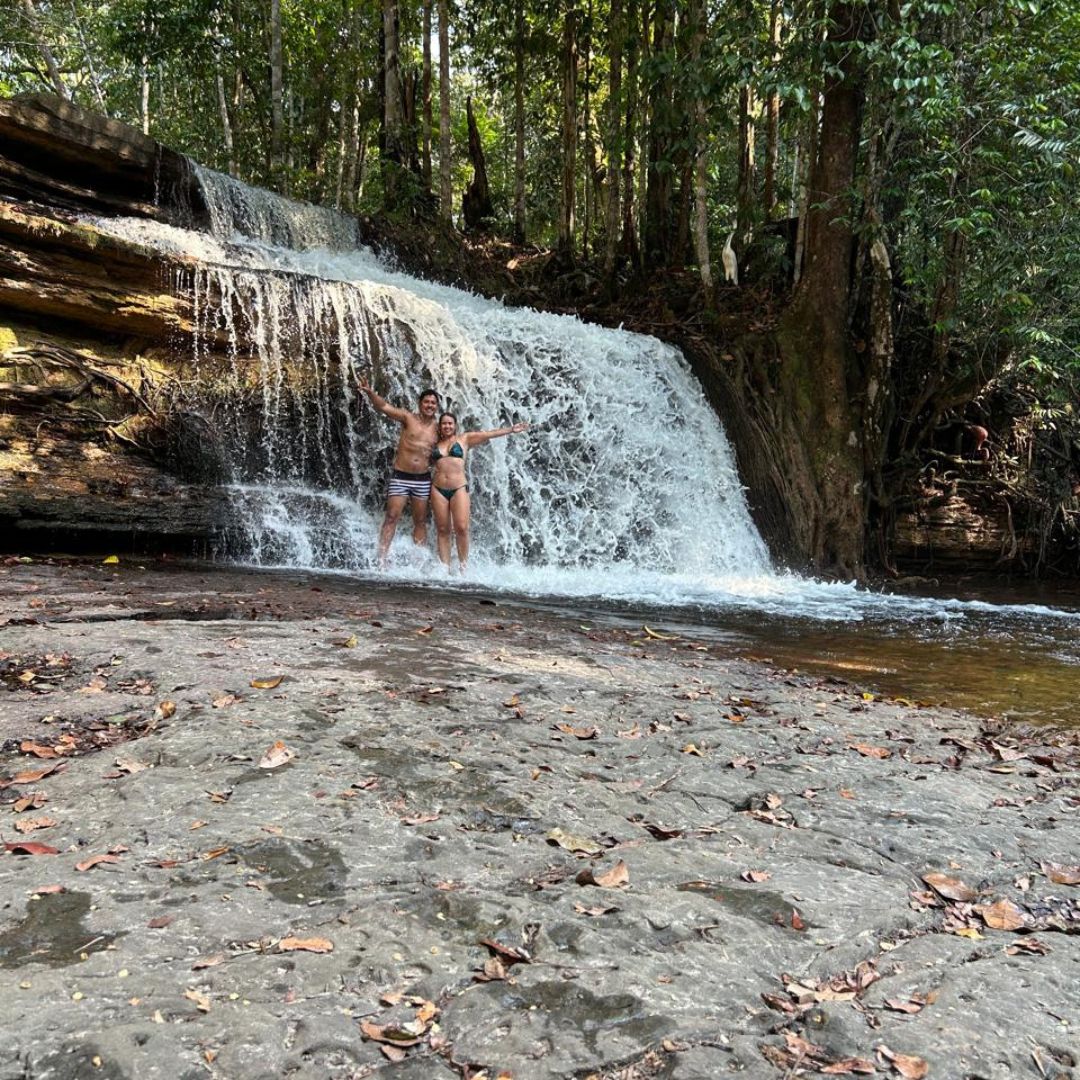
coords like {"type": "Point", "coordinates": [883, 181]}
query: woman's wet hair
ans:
{"type": "Point", "coordinates": [443, 416]}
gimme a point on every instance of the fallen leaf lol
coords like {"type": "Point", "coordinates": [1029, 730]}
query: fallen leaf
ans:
{"type": "Point", "coordinates": [34, 801]}
{"type": "Point", "coordinates": [797, 921]}
{"type": "Point", "coordinates": [395, 1035]}
{"type": "Point", "coordinates": [159, 922]}
{"type": "Point", "coordinates": [1001, 915]}
{"type": "Point", "coordinates": [215, 853]}
{"type": "Point", "coordinates": [96, 860]}
{"type": "Point", "coordinates": [847, 793]}
{"type": "Point", "coordinates": [690, 748]}
{"type": "Point", "coordinates": [1060, 874]}
{"type": "Point", "coordinates": [53, 890]}
{"type": "Point", "coordinates": [392, 1053]}
{"type": "Point", "coordinates": [202, 1002]}
{"type": "Point", "coordinates": [224, 700]}
{"type": "Point", "coordinates": [578, 733]}
{"type": "Point", "coordinates": [30, 847]}
{"type": "Point", "coordinates": [165, 709]}
{"type": "Point", "coordinates": [614, 878]}
{"type": "Point", "coordinates": [315, 945]}
{"type": "Point", "coordinates": [425, 630]}
{"type": "Point", "coordinates": [110, 560]}
{"type": "Point", "coordinates": [907, 1065]}
{"type": "Point", "coordinates": [419, 819]}
{"type": "Point", "coordinates": [658, 637]}
{"type": "Point", "coordinates": [33, 777]}
{"type": "Point", "coordinates": [969, 932]}
{"type": "Point", "coordinates": [630, 733]}
{"type": "Point", "coordinates": [903, 1006]}
{"type": "Point", "coordinates": [25, 825]}
{"type": "Point", "coordinates": [208, 961]}
{"type": "Point", "coordinates": [38, 750]}
{"type": "Point", "coordinates": [350, 642]}
{"type": "Point", "coordinates": [755, 875]}
{"type": "Point", "coordinates": [950, 888]}
{"type": "Point", "coordinates": [278, 754]}
{"type": "Point", "coordinates": [269, 683]}
{"type": "Point", "coordinates": [494, 970]}
{"type": "Point", "coordinates": [570, 842]}
{"type": "Point", "coordinates": [848, 1065]}
{"type": "Point", "coordinates": [870, 751]}
{"type": "Point", "coordinates": [1027, 945]}
{"type": "Point", "coordinates": [594, 911]}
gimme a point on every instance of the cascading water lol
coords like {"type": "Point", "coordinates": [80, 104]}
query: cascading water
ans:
{"type": "Point", "coordinates": [624, 487]}
{"type": "Point", "coordinates": [625, 470]}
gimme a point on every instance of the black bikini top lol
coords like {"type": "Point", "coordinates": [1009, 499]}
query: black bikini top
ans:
{"type": "Point", "coordinates": [455, 451]}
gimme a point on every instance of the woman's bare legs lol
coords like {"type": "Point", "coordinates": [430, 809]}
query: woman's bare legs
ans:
{"type": "Point", "coordinates": [460, 509]}
{"type": "Point", "coordinates": [440, 510]}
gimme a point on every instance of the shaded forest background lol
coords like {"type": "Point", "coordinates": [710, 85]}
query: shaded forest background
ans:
{"type": "Point", "coordinates": [859, 218]}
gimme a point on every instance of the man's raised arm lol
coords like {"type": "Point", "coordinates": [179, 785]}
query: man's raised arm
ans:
{"type": "Point", "coordinates": [380, 404]}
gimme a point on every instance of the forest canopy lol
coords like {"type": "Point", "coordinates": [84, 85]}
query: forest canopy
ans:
{"type": "Point", "coordinates": [933, 144]}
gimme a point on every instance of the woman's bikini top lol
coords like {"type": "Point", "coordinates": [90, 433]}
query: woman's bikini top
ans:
{"type": "Point", "coordinates": [455, 451]}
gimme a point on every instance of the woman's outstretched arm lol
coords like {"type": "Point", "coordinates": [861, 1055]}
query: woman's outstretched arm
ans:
{"type": "Point", "coordinates": [475, 438]}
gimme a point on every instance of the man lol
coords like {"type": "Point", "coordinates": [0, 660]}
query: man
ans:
{"type": "Point", "coordinates": [410, 481]}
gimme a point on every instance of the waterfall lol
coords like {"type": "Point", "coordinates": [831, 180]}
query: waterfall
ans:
{"type": "Point", "coordinates": [624, 477]}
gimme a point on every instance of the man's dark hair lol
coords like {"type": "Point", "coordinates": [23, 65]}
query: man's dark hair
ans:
{"type": "Point", "coordinates": [429, 393]}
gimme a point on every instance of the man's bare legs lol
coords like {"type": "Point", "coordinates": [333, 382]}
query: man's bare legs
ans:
{"type": "Point", "coordinates": [395, 506]}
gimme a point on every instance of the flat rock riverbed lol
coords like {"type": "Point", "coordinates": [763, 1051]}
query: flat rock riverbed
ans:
{"type": "Point", "coordinates": [263, 825]}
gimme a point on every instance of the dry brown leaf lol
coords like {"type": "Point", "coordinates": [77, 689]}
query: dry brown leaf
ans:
{"type": "Point", "coordinates": [34, 801]}
{"type": "Point", "coordinates": [202, 1002]}
{"type": "Point", "coordinates": [30, 847]}
{"type": "Point", "coordinates": [38, 750]}
{"type": "Point", "coordinates": [278, 754]}
{"type": "Point", "coordinates": [690, 748]}
{"type": "Point", "coordinates": [907, 1065]}
{"type": "Point", "coordinates": [224, 700]}
{"type": "Point", "coordinates": [630, 733]}
{"type": "Point", "coordinates": [315, 944]}
{"type": "Point", "coordinates": [49, 890]}
{"type": "Point", "coordinates": [165, 709]}
{"type": "Point", "coordinates": [1027, 945]}
{"type": "Point", "coordinates": [1001, 915]}
{"type": "Point", "coordinates": [32, 777]}
{"type": "Point", "coordinates": [270, 682]}
{"type": "Point", "coordinates": [159, 922]}
{"type": "Point", "coordinates": [950, 888]}
{"type": "Point", "coordinates": [903, 1005]}
{"type": "Point", "coordinates": [614, 878]}
{"type": "Point", "coordinates": [594, 911]}
{"type": "Point", "coordinates": [870, 751]}
{"type": "Point", "coordinates": [96, 860]}
{"type": "Point", "coordinates": [570, 842]}
{"type": "Point", "coordinates": [578, 733]}
{"type": "Point", "coordinates": [425, 630]}
{"type": "Point", "coordinates": [426, 1011]}
{"type": "Point", "coordinates": [419, 819]}
{"type": "Point", "coordinates": [214, 853]}
{"type": "Point", "coordinates": [392, 1053]}
{"type": "Point", "coordinates": [25, 825]}
{"type": "Point", "coordinates": [849, 1065]}
{"type": "Point", "coordinates": [208, 961]}
{"type": "Point", "coordinates": [394, 1035]}
{"type": "Point", "coordinates": [755, 875]}
{"type": "Point", "coordinates": [797, 921]}
{"type": "Point", "coordinates": [1061, 874]}
{"type": "Point", "coordinates": [494, 970]}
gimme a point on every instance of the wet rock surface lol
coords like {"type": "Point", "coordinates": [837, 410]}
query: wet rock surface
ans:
{"type": "Point", "coordinates": [503, 840]}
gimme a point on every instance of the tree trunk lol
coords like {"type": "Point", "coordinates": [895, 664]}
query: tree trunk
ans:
{"type": "Point", "coordinates": [476, 207]}
{"type": "Point", "coordinates": [43, 47]}
{"type": "Point", "coordinates": [590, 151]}
{"type": "Point", "coordinates": [519, 121]}
{"type": "Point", "coordinates": [427, 121]}
{"type": "Point", "coordinates": [616, 33]}
{"type": "Point", "coordinates": [658, 232]}
{"type": "Point", "coordinates": [628, 244]}
{"type": "Point", "coordinates": [393, 118]}
{"type": "Point", "coordinates": [446, 194]}
{"type": "Point", "coordinates": [565, 243]}
{"type": "Point", "coordinates": [772, 118]}
{"type": "Point", "coordinates": [744, 210]}
{"type": "Point", "coordinates": [698, 22]}
{"type": "Point", "coordinates": [813, 333]}
{"type": "Point", "coordinates": [277, 114]}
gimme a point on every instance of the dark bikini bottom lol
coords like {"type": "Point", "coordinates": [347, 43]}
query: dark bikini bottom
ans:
{"type": "Point", "coordinates": [449, 493]}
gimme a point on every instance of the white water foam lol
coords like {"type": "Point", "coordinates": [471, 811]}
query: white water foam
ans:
{"type": "Point", "coordinates": [624, 489]}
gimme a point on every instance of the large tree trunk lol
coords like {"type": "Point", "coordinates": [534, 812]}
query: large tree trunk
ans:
{"type": "Point", "coordinates": [565, 242]}
{"type": "Point", "coordinates": [813, 339]}
{"type": "Point", "coordinates": [277, 113]}
{"type": "Point", "coordinates": [476, 205]}
{"type": "Point", "coordinates": [519, 121]}
{"type": "Point", "coordinates": [658, 234]}
{"type": "Point", "coordinates": [446, 194]}
{"type": "Point", "coordinates": [616, 33]}
{"type": "Point", "coordinates": [698, 29]}
{"type": "Point", "coordinates": [772, 119]}
{"type": "Point", "coordinates": [393, 113]}
{"type": "Point", "coordinates": [628, 244]}
{"type": "Point", "coordinates": [427, 121]}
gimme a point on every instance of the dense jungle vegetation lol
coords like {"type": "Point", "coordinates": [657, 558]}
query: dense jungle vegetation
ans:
{"type": "Point", "coordinates": [896, 183]}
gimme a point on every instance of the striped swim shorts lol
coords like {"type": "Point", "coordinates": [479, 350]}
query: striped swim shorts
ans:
{"type": "Point", "coordinates": [417, 485]}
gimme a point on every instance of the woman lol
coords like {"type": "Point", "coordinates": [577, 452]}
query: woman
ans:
{"type": "Point", "coordinates": [449, 487]}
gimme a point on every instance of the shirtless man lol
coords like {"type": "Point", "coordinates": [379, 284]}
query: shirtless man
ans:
{"type": "Point", "coordinates": [410, 480]}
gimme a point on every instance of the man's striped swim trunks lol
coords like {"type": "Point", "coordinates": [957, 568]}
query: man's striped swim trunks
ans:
{"type": "Point", "coordinates": [417, 485]}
